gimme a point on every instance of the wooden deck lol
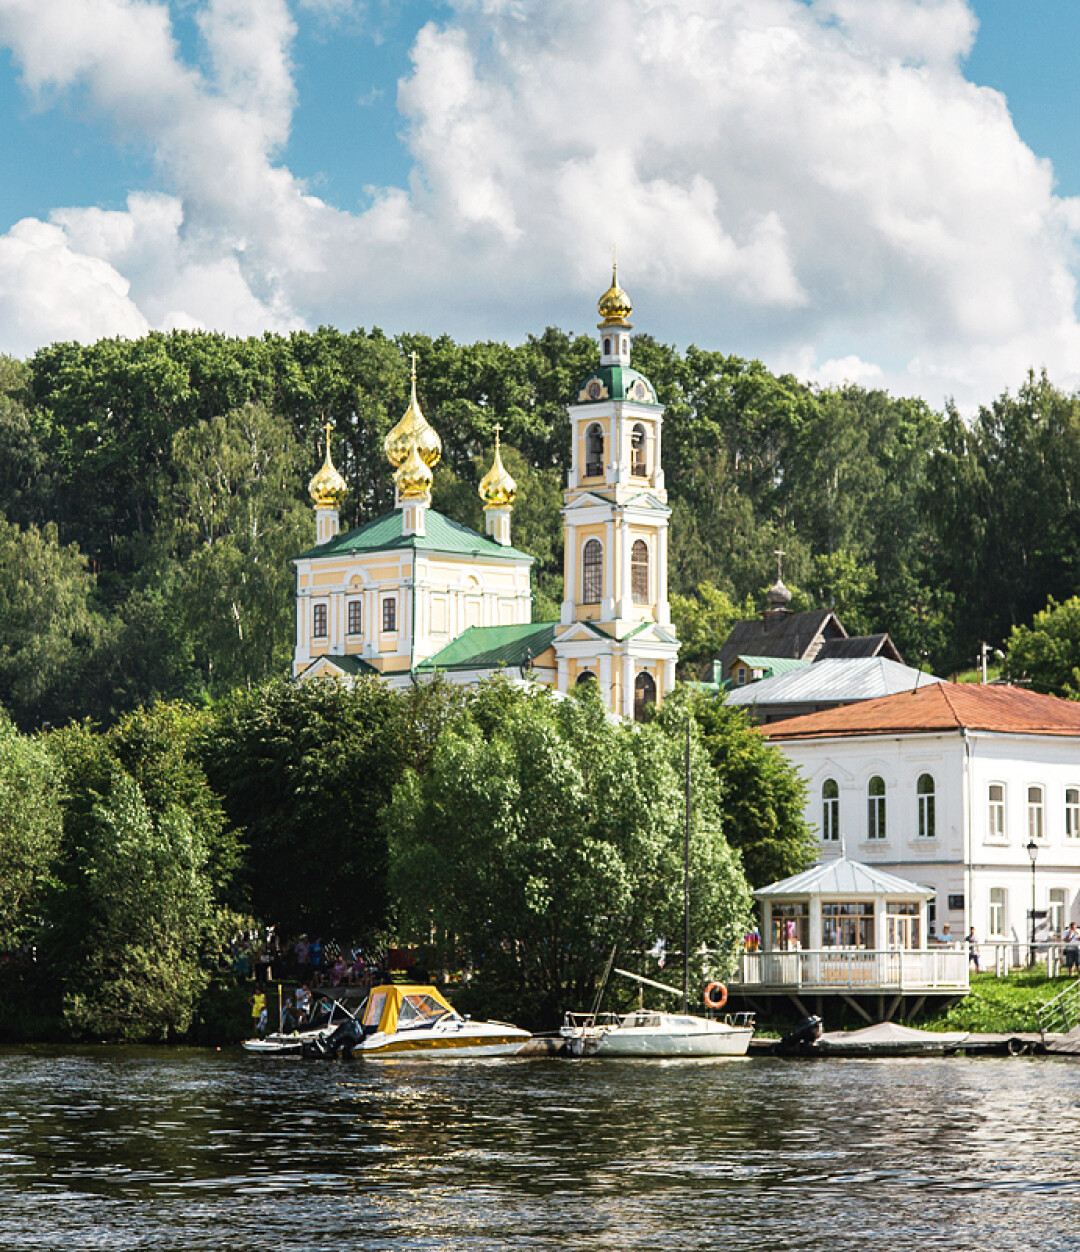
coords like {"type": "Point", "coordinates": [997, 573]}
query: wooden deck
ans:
{"type": "Point", "coordinates": [893, 971]}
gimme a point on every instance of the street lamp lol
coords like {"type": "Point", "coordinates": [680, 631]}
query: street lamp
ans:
{"type": "Point", "coordinates": [1033, 852]}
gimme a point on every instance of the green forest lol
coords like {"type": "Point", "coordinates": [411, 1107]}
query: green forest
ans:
{"type": "Point", "coordinates": [152, 491]}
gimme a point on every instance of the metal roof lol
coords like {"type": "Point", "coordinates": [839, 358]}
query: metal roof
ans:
{"type": "Point", "coordinates": [488, 647]}
{"type": "Point", "coordinates": [842, 877]}
{"type": "Point", "coordinates": [838, 681]}
{"type": "Point", "coordinates": [443, 535]}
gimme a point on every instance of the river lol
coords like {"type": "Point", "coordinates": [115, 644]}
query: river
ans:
{"type": "Point", "coordinates": [134, 1148]}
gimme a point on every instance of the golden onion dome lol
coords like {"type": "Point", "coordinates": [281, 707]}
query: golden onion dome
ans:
{"type": "Point", "coordinates": [413, 477]}
{"type": "Point", "coordinates": [614, 305]}
{"type": "Point", "coordinates": [413, 429]}
{"type": "Point", "coordinates": [327, 488]}
{"type": "Point", "coordinates": [497, 489]}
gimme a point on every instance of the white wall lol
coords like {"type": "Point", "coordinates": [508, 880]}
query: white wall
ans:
{"type": "Point", "coordinates": [961, 859]}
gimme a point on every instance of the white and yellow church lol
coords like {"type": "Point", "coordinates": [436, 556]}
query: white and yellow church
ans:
{"type": "Point", "coordinates": [413, 593]}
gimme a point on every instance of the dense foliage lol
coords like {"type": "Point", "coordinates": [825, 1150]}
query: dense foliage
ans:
{"type": "Point", "coordinates": [151, 492]}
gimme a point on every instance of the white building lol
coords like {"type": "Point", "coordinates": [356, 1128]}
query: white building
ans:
{"type": "Point", "coordinates": [948, 785]}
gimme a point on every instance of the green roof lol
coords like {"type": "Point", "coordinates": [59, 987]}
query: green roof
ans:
{"type": "Point", "coordinates": [489, 647]}
{"type": "Point", "coordinates": [616, 380]}
{"type": "Point", "coordinates": [442, 535]}
{"type": "Point", "coordinates": [351, 664]}
{"type": "Point", "coordinates": [774, 664]}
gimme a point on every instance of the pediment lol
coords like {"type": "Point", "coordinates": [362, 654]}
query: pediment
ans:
{"type": "Point", "coordinates": [578, 632]}
{"type": "Point", "coordinates": [587, 501]}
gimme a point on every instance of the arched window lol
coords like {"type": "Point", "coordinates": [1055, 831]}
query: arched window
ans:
{"type": "Point", "coordinates": [607, 347]}
{"type": "Point", "coordinates": [586, 676]}
{"type": "Point", "coordinates": [830, 810]}
{"type": "Point", "coordinates": [875, 808]}
{"type": "Point", "coordinates": [639, 571]}
{"type": "Point", "coordinates": [644, 694]}
{"type": "Point", "coordinates": [637, 451]}
{"type": "Point", "coordinates": [592, 572]}
{"type": "Point", "coordinates": [924, 789]}
{"type": "Point", "coordinates": [318, 621]}
{"type": "Point", "coordinates": [594, 451]}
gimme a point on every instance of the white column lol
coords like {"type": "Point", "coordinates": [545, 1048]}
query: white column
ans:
{"type": "Point", "coordinates": [628, 686]}
{"type": "Point", "coordinates": [605, 677]}
{"type": "Point", "coordinates": [669, 676]}
{"type": "Point", "coordinates": [626, 600]}
{"type": "Point", "coordinates": [815, 923]}
{"type": "Point", "coordinates": [608, 606]}
{"type": "Point", "coordinates": [570, 567]}
{"type": "Point", "coordinates": [564, 674]}
{"type": "Point", "coordinates": [663, 605]}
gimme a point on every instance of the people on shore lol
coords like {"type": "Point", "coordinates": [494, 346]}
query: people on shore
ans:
{"type": "Point", "coordinates": [946, 935]}
{"type": "Point", "coordinates": [1071, 940]}
{"type": "Point", "coordinates": [973, 949]}
{"type": "Point", "coordinates": [258, 1012]}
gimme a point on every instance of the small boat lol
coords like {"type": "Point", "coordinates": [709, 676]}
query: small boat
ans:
{"type": "Point", "coordinates": [886, 1039]}
{"type": "Point", "coordinates": [404, 1020]}
{"type": "Point", "coordinates": [296, 1042]}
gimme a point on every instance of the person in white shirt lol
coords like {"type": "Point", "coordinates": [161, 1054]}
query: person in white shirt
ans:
{"type": "Point", "coordinates": [1071, 940]}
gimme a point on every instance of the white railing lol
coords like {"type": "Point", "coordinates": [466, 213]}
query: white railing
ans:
{"type": "Point", "coordinates": [999, 956]}
{"type": "Point", "coordinates": [837, 969]}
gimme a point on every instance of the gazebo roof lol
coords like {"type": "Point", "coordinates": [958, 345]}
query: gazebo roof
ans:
{"type": "Point", "coordinates": [842, 877]}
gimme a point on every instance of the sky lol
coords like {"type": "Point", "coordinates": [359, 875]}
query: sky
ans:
{"type": "Point", "coordinates": [878, 191]}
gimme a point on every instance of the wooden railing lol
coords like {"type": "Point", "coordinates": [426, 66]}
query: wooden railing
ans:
{"type": "Point", "coordinates": [838, 969]}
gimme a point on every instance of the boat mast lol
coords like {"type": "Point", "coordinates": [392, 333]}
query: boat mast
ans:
{"type": "Point", "coordinates": [686, 883]}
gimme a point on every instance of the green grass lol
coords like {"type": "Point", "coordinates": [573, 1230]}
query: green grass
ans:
{"type": "Point", "coordinates": [999, 1005]}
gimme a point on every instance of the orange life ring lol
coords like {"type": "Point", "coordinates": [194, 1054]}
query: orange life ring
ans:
{"type": "Point", "coordinates": [719, 1001]}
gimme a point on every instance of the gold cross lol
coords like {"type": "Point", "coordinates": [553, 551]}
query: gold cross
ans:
{"type": "Point", "coordinates": [328, 428]}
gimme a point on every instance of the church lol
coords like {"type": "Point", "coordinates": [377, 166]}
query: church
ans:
{"type": "Point", "coordinates": [413, 593]}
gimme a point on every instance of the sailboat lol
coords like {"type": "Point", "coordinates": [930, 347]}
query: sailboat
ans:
{"type": "Point", "coordinates": [652, 1033]}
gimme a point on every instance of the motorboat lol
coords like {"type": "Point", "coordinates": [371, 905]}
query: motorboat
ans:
{"type": "Point", "coordinates": [296, 1042]}
{"type": "Point", "coordinates": [408, 1020]}
{"type": "Point", "coordinates": [648, 1033]}
{"type": "Point", "coordinates": [887, 1039]}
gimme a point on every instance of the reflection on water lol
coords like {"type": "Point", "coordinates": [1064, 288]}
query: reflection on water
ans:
{"type": "Point", "coordinates": [137, 1148]}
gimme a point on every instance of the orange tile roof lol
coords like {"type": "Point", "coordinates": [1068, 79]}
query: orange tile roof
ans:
{"type": "Point", "coordinates": [939, 706]}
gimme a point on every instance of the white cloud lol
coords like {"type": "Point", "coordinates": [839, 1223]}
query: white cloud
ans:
{"type": "Point", "coordinates": [780, 177]}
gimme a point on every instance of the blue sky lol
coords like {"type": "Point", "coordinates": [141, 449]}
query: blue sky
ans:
{"type": "Point", "coordinates": [886, 191]}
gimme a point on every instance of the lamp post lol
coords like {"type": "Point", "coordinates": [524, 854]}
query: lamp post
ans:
{"type": "Point", "coordinates": [1033, 852]}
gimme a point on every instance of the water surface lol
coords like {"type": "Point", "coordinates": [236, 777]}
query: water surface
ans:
{"type": "Point", "coordinates": [185, 1149]}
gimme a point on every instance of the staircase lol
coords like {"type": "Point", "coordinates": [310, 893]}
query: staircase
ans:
{"type": "Point", "coordinates": [1061, 1014]}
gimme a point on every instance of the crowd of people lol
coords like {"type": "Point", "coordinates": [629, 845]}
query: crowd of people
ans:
{"type": "Point", "coordinates": [305, 960]}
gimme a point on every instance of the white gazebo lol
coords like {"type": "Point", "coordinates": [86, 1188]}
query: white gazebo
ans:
{"type": "Point", "coordinates": [850, 930]}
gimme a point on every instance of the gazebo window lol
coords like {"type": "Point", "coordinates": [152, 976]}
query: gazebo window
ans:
{"type": "Point", "coordinates": [592, 572]}
{"type": "Point", "coordinates": [847, 924]}
{"type": "Point", "coordinates": [830, 810]}
{"type": "Point", "coordinates": [639, 571]}
{"type": "Point", "coordinates": [637, 451]}
{"type": "Point", "coordinates": [790, 926]}
{"type": "Point", "coordinates": [594, 451]}
{"type": "Point", "coordinates": [925, 790]}
{"type": "Point", "coordinates": [1035, 813]}
{"type": "Point", "coordinates": [902, 924]}
{"type": "Point", "coordinates": [875, 808]}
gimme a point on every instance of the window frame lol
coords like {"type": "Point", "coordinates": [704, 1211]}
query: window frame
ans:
{"type": "Point", "coordinates": [389, 615]}
{"type": "Point", "coordinates": [354, 617]}
{"type": "Point", "coordinates": [997, 831]}
{"type": "Point", "coordinates": [639, 451]}
{"type": "Point", "coordinates": [876, 810]}
{"type": "Point", "coordinates": [1072, 813]}
{"type": "Point", "coordinates": [830, 812]}
{"type": "Point", "coordinates": [639, 568]}
{"type": "Point", "coordinates": [594, 434]}
{"type": "Point", "coordinates": [592, 571]}
{"type": "Point", "coordinates": [1036, 813]}
{"type": "Point", "coordinates": [320, 620]}
{"type": "Point", "coordinates": [998, 906]}
{"type": "Point", "coordinates": [927, 806]}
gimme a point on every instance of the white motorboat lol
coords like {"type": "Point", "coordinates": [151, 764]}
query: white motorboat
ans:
{"type": "Point", "coordinates": [416, 1021]}
{"type": "Point", "coordinates": [295, 1042]}
{"type": "Point", "coordinates": [645, 1032]}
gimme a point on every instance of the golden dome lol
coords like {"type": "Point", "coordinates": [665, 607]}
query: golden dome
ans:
{"type": "Point", "coordinates": [614, 305]}
{"type": "Point", "coordinates": [497, 489]}
{"type": "Point", "coordinates": [413, 429]}
{"type": "Point", "coordinates": [413, 476]}
{"type": "Point", "coordinates": [327, 488]}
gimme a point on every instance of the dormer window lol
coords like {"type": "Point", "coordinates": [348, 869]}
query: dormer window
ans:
{"type": "Point", "coordinates": [637, 451]}
{"type": "Point", "coordinates": [594, 451]}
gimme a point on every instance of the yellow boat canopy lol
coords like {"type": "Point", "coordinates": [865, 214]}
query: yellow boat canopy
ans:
{"type": "Point", "coordinates": [392, 1007]}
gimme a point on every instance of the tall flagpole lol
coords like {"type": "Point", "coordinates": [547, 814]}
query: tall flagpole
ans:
{"type": "Point", "coordinates": [686, 884]}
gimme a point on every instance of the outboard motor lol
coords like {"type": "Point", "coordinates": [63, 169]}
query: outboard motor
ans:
{"type": "Point", "coordinates": [801, 1039]}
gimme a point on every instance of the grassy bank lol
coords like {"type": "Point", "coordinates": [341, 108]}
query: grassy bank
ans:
{"type": "Point", "coordinates": [999, 1005]}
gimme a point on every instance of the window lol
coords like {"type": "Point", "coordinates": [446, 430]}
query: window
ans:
{"type": "Point", "coordinates": [875, 808]}
{"type": "Point", "coordinates": [637, 451]}
{"type": "Point", "coordinates": [1035, 813]}
{"type": "Point", "coordinates": [594, 451]}
{"type": "Point", "coordinates": [847, 924]}
{"type": "Point", "coordinates": [592, 572]}
{"type": "Point", "coordinates": [790, 926]}
{"type": "Point", "coordinates": [925, 790]}
{"type": "Point", "coordinates": [389, 613]}
{"type": "Point", "coordinates": [996, 814]}
{"type": "Point", "coordinates": [999, 899]}
{"type": "Point", "coordinates": [902, 928]}
{"type": "Point", "coordinates": [740, 676]}
{"type": "Point", "coordinates": [1058, 897]}
{"type": "Point", "coordinates": [639, 571]}
{"type": "Point", "coordinates": [318, 621]}
{"type": "Point", "coordinates": [830, 810]}
{"type": "Point", "coordinates": [356, 617]}
{"type": "Point", "coordinates": [1072, 812]}
{"type": "Point", "coordinates": [644, 694]}
{"type": "Point", "coordinates": [607, 347]}
{"type": "Point", "coordinates": [586, 676]}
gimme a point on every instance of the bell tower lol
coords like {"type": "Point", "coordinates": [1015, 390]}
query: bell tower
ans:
{"type": "Point", "coordinates": [615, 621]}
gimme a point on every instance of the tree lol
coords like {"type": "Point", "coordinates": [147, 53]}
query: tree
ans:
{"type": "Point", "coordinates": [544, 834]}
{"type": "Point", "coordinates": [703, 623]}
{"type": "Point", "coordinates": [1047, 653]}
{"type": "Point", "coordinates": [762, 795]}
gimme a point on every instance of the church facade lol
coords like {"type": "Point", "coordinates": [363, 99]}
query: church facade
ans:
{"type": "Point", "coordinates": [413, 593]}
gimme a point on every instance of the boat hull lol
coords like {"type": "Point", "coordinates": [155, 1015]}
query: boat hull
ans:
{"type": "Point", "coordinates": [457, 1045]}
{"type": "Point", "coordinates": [646, 1043]}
